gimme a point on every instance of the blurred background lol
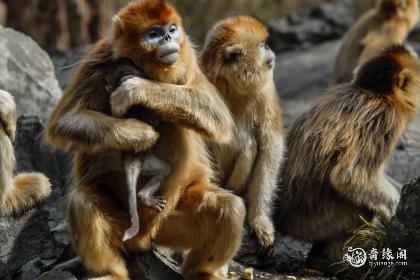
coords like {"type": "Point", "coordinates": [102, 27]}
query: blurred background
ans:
{"type": "Point", "coordinates": [58, 25]}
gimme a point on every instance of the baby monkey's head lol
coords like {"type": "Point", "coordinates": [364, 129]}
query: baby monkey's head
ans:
{"type": "Point", "coordinates": [236, 50]}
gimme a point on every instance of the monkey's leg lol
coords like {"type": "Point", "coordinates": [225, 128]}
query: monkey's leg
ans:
{"type": "Point", "coordinates": [132, 165]}
{"type": "Point", "coordinates": [96, 226]}
{"type": "Point", "coordinates": [25, 190]}
{"type": "Point", "coordinates": [330, 217]}
{"type": "Point", "coordinates": [364, 189]}
{"type": "Point", "coordinates": [208, 223]}
{"type": "Point", "coordinates": [159, 169]}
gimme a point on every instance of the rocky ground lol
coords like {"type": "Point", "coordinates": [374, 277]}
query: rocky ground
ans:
{"type": "Point", "coordinates": [35, 245]}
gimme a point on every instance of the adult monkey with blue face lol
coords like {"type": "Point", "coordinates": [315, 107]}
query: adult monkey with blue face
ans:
{"type": "Point", "coordinates": [203, 220]}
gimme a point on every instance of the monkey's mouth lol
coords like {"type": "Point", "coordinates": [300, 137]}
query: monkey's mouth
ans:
{"type": "Point", "coordinates": [271, 63]}
{"type": "Point", "coordinates": [169, 58]}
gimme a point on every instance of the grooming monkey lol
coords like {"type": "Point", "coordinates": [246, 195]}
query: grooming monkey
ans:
{"type": "Point", "coordinates": [22, 192]}
{"type": "Point", "coordinates": [338, 151]}
{"type": "Point", "coordinates": [237, 59]}
{"type": "Point", "coordinates": [136, 164]}
{"type": "Point", "coordinates": [203, 220]}
{"type": "Point", "coordinates": [387, 24]}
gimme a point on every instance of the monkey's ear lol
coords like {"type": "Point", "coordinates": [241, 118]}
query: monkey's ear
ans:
{"type": "Point", "coordinates": [117, 27]}
{"type": "Point", "coordinates": [405, 78]}
{"type": "Point", "coordinates": [232, 52]}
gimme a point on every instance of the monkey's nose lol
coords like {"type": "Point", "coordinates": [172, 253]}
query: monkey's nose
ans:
{"type": "Point", "coordinates": [167, 38]}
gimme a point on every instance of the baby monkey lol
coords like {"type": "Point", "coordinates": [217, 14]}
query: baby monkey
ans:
{"type": "Point", "coordinates": [143, 163]}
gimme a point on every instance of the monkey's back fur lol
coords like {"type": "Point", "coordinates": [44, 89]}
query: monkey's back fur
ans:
{"type": "Point", "coordinates": [334, 172]}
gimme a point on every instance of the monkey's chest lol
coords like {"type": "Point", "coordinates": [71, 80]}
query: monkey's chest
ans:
{"type": "Point", "coordinates": [237, 159]}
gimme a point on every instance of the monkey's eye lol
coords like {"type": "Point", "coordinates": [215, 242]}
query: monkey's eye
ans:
{"type": "Point", "coordinates": [153, 34]}
{"type": "Point", "coordinates": [264, 45]}
{"type": "Point", "coordinates": [173, 28]}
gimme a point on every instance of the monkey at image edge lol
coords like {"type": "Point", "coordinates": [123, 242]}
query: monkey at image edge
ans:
{"type": "Point", "coordinates": [337, 154]}
{"type": "Point", "coordinates": [22, 192]}
{"type": "Point", "coordinates": [203, 220]}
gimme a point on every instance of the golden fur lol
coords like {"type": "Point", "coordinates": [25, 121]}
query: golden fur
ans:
{"type": "Point", "coordinates": [235, 62]}
{"type": "Point", "coordinates": [199, 217]}
{"type": "Point", "coordinates": [26, 189]}
{"type": "Point", "coordinates": [387, 24]}
{"type": "Point", "coordinates": [338, 151]}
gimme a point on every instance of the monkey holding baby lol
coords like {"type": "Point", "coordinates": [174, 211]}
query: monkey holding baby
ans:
{"type": "Point", "coordinates": [199, 218]}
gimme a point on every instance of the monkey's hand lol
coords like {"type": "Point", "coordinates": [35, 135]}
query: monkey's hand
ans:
{"type": "Point", "coordinates": [263, 228]}
{"type": "Point", "coordinates": [121, 99]}
{"type": "Point", "coordinates": [8, 114]}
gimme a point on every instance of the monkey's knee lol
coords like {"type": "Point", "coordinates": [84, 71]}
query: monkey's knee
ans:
{"type": "Point", "coordinates": [221, 218]}
{"type": "Point", "coordinates": [95, 234]}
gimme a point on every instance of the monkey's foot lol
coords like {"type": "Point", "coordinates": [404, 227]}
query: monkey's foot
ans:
{"type": "Point", "coordinates": [263, 229]}
{"type": "Point", "coordinates": [131, 232]}
{"type": "Point", "coordinates": [156, 202]}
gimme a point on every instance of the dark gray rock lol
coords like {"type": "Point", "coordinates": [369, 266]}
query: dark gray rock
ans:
{"type": "Point", "coordinates": [288, 254]}
{"type": "Point", "coordinates": [27, 73]}
{"type": "Point", "coordinates": [329, 21]}
{"type": "Point", "coordinates": [57, 275]}
{"type": "Point", "coordinates": [153, 266]}
{"type": "Point", "coordinates": [403, 232]}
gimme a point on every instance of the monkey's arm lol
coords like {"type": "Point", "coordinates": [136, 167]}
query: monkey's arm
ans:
{"type": "Point", "coordinates": [8, 114]}
{"type": "Point", "coordinates": [263, 179]}
{"type": "Point", "coordinates": [197, 106]}
{"type": "Point", "coordinates": [373, 191]}
{"type": "Point", "coordinates": [94, 131]}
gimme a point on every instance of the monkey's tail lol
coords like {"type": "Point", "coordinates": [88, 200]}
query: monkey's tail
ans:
{"type": "Point", "coordinates": [25, 190]}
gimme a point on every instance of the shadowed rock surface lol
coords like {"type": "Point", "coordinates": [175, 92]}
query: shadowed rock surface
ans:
{"type": "Point", "coordinates": [404, 229]}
